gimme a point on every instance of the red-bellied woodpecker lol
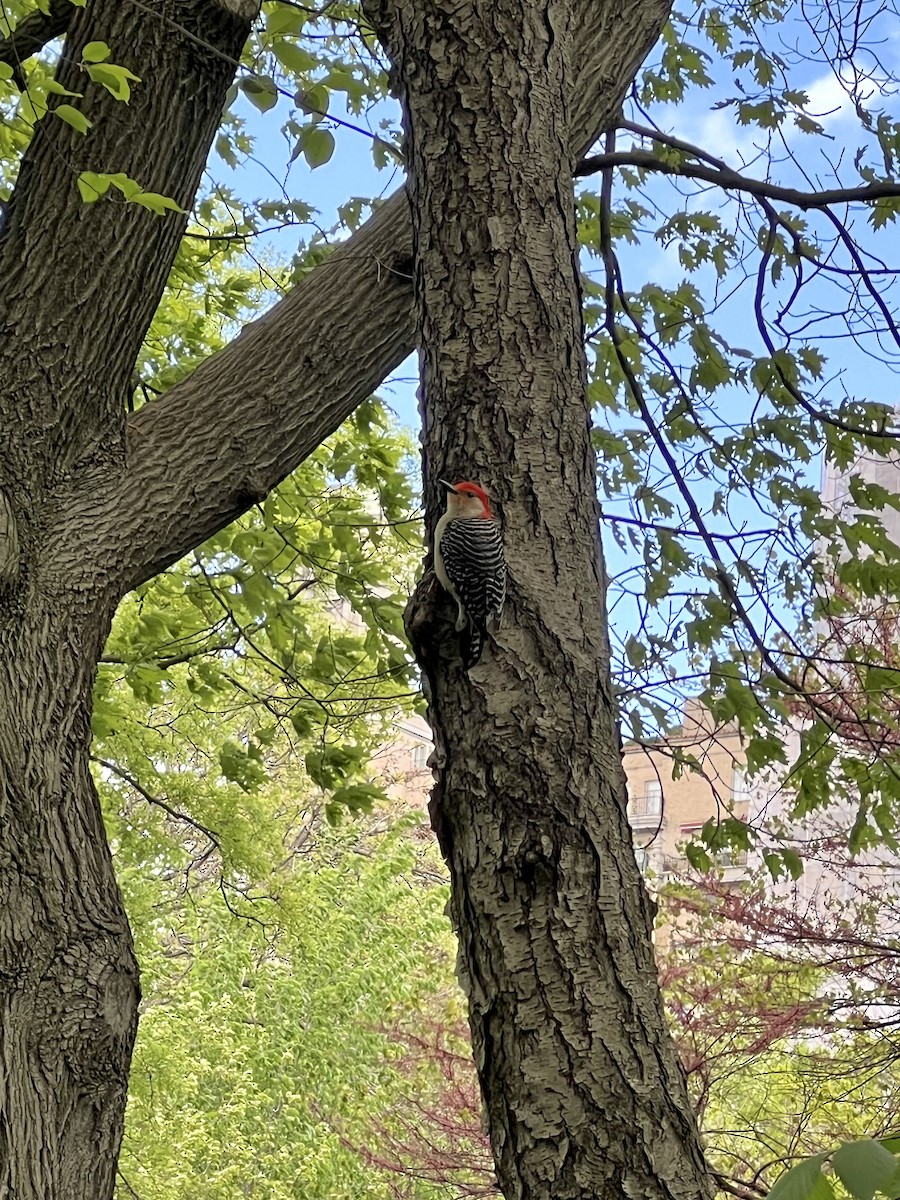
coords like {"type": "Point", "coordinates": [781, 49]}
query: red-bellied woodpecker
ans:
{"type": "Point", "coordinates": [469, 562]}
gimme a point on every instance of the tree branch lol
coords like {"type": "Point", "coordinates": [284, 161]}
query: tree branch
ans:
{"type": "Point", "coordinates": [221, 440]}
{"type": "Point", "coordinates": [157, 801]}
{"type": "Point", "coordinates": [731, 180]}
{"type": "Point", "coordinates": [33, 33]}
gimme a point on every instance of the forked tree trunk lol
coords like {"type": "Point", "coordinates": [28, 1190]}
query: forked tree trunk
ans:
{"type": "Point", "coordinates": [582, 1089]}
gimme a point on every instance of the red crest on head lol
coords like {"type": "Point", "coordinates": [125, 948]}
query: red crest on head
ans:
{"type": "Point", "coordinates": [472, 489]}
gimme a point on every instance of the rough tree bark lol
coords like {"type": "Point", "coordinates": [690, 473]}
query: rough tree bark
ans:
{"type": "Point", "coordinates": [92, 503]}
{"type": "Point", "coordinates": [582, 1088]}
{"type": "Point", "coordinates": [79, 287]}
{"type": "Point", "coordinates": [229, 433]}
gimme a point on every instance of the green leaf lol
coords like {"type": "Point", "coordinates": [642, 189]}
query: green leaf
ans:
{"type": "Point", "coordinates": [700, 861]}
{"type": "Point", "coordinates": [284, 20]}
{"type": "Point", "coordinates": [225, 150]}
{"type": "Point", "coordinates": [261, 91]}
{"type": "Point", "coordinates": [125, 184]}
{"type": "Point", "coordinates": [807, 125]}
{"type": "Point", "coordinates": [104, 719]}
{"type": "Point", "coordinates": [864, 1168]}
{"type": "Point", "coordinates": [156, 203]}
{"type": "Point", "coordinates": [73, 117]}
{"type": "Point", "coordinates": [384, 153]}
{"type": "Point", "coordinates": [793, 862]}
{"type": "Point", "coordinates": [116, 80]}
{"type": "Point", "coordinates": [294, 58]}
{"type": "Point", "coordinates": [92, 185]}
{"type": "Point", "coordinates": [95, 52]}
{"type": "Point", "coordinates": [313, 100]}
{"type": "Point", "coordinates": [318, 147]}
{"type": "Point", "coordinates": [239, 766]}
{"type": "Point", "coordinates": [56, 89]}
{"type": "Point", "coordinates": [805, 1181]}
{"type": "Point", "coordinates": [358, 797]}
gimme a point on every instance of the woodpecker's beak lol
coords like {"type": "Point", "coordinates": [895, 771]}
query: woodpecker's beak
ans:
{"type": "Point", "coordinates": [448, 486]}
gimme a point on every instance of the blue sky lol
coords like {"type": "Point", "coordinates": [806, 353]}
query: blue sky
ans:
{"type": "Point", "coordinates": [350, 172]}
{"type": "Point", "coordinates": [817, 161]}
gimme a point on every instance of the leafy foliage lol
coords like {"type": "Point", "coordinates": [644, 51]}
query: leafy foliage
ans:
{"type": "Point", "coordinates": [782, 1006]}
{"type": "Point", "coordinates": [755, 345]}
{"type": "Point", "coordinates": [260, 1057]}
{"type": "Point", "coordinates": [287, 626]}
{"type": "Point", "coordinates": [782, 1025]}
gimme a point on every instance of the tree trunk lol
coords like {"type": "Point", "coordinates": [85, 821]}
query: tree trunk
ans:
{"type": "Point", "coordinates": [80, 286]}
{"type": "Point", "coordinates": [104, 264]}
{"type": "Point", "coordinates": [583, 1092]}
{"type": "Point", "coordinates": [91, 503]}
{"type": "Point", "coordinates": [68, 977]}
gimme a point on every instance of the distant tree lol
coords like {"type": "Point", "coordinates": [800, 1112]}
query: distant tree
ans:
{"type": "Point", "coordinates": [248, 999]}
{"type": "Point", "coordinates": [435, 1134]}
{"type": "Point", "coordinates": [785, 1016]}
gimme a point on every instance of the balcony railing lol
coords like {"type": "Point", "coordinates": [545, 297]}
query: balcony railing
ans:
{"type": "Point", "coordinates": [733, 866]}
{"type": "Point", "coordinates": [645, 810]}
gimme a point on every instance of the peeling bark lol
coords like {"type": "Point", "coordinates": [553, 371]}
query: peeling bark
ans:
{"type": "Point", "coordinates": [583, 1092]}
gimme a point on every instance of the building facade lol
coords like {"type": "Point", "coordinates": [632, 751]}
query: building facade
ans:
{"type": "Point", "coordinates": [665, 812]}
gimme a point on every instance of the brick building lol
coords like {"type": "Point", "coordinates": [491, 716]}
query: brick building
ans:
{"type": "Point", "coordinates": [664, 812]}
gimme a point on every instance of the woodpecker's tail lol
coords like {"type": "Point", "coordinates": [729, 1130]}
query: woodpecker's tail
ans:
{"type": "Point", "coordinates": [471, 645]}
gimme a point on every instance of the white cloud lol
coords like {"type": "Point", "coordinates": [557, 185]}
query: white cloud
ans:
{"type": "Point", "coordinates": [829, 102]}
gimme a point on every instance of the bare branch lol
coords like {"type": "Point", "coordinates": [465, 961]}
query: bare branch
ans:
{"type": "Point", "coordinates": [157, 801]}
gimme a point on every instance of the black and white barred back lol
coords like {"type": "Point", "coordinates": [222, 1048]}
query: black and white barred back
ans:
{"type": "Point", "coordinates": [472, 550]}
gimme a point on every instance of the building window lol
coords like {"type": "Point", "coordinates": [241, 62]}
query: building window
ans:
{"type": "Point", "coordinates": [740, 790]}
{"type": "Point", "coordinates": [649, 802]}
{"type": "Point", "coordinates": [420, 757]}
{"type": "Point", "coordinates": [652, 797]}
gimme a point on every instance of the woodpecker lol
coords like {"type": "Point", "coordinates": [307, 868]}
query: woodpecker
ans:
{"type": "Point", "coordinates": [469, 562]}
